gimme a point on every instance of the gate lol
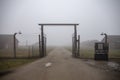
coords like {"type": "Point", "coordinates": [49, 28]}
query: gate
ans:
{"type": "Point", "coordinates": [35, 49]}
{"type": "Point", "coordinates": [75, 40]}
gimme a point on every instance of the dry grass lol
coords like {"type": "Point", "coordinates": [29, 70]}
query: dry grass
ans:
{"type": "Point", "coordinates": [6, 64]}
{"type": "Point", "coordinates": [22, 52]}
{"type": "Point", "coordinates": [89, 53]}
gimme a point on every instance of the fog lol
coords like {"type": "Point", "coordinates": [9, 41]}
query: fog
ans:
{"type": "Point", "coordinates": [93, 17]}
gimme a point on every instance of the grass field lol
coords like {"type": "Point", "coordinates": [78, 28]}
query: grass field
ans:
{"type": "Point", "coordinates": [89, 53]}
{"type": "Point", "coordinates": [23, 52]}
{"type": "Point", "coordinates": [114, 53]}
{"type": "Point", "coordinates": [6, 64]}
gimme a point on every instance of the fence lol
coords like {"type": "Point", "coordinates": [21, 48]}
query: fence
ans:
{"type": "Point", "coordinates": [24, 46]}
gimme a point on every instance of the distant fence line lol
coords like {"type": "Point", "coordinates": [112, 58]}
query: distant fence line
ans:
{"type": "Point", "coordinates": [25, 48]}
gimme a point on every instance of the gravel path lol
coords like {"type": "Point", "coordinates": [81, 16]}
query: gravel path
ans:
{"type": "Point", "coordinates": [62, 67]}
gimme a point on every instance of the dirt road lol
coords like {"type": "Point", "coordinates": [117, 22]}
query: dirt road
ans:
{"type": "Point", "coordinates": [63, 67]}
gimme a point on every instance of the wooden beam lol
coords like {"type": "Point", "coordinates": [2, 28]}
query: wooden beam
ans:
{"type": "Point", "coordinates": [58, 24]}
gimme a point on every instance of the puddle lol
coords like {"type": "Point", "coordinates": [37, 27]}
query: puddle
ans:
{"type": "Point", "coordinates": [114, 65]}
{"type": "Point", "coordinates": [107, 66]}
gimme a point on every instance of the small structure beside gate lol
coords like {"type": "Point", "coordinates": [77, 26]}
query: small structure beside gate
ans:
{"type": "Point", "coordinates": [102, 49]}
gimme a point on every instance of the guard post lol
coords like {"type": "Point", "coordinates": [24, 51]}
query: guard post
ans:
{"type": "Point", "coordinates": [102, 49]}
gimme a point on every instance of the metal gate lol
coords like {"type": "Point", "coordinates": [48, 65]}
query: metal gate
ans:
{"type": "Point", "coordinates": [42, 45]}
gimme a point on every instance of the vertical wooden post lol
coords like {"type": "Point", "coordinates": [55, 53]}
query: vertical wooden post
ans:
{"type": "Point", "coordinates": [39, 47]}
{"type": "Point", "coordinates": [72, 45]}
{"type": "Point", "coordinates": [14, 37]}
{"type": "Point", "coordinates": [32, 51]}
{"type": "Point", "coordinates": [45, 45]}
{"type": "Point", "coordinates": [78, 45]}
{"type": "Point", "coordinates": [42, 38]}
{"type": "Point", "coordinates": [75, 35]}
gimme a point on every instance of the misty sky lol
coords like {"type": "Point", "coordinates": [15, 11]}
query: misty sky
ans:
{"type": "Point", "coordinates": [94, 17]}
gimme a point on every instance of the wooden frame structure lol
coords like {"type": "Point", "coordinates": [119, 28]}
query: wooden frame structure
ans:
{"type": "Point", "coordinates": [75, 41]}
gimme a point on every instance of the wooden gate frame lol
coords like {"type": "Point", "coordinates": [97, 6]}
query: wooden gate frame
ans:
{"type": "Point", "coordinates": [76, 42]}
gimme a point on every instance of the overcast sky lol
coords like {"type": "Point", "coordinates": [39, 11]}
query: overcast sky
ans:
{"type": "Point", "coordinates": [94, 17]}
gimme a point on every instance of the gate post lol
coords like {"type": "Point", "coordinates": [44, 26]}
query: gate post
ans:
{"type": "Point", "coordinates": [39, 47]}
{"type": "Point", "coordinates": [75, 44]}
{"type": "Point", "coordinates": [42, 39]}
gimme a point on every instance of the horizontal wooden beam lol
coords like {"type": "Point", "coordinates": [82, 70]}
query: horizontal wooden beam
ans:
{"type": "Point", "coordinates": [57, 24]}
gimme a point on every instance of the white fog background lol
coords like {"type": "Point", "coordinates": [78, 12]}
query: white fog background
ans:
{"type": "Point", "coordinates": [93, 16]}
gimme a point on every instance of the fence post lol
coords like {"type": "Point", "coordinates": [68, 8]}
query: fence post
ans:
{"type": "Point", "coordinates": [45, 45]}
{"type": "Point", "coordinates": [78, 45]}
{"type": "Point", "coordinates": [14, 38]}
{"type": "Point", "coordinates": [32, 51]}
{"type": "Point", "coordinates": [73, 46]}
{"type": "Point", "coordinates": [28, 51]}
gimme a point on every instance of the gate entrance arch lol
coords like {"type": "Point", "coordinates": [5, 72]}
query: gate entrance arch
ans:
{"type": "Point", "coordinates": [75, 39]}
